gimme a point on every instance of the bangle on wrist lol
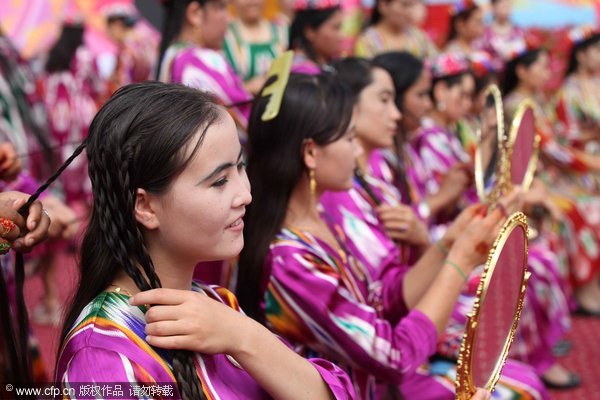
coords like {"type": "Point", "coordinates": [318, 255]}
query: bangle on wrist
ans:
{"type": "Point", "coordinates": [457, 268]}
{"type": "Point", "coordinates": [442, 248]}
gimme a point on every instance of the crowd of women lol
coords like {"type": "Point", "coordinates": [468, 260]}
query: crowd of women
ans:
{"type": "Point", "coordinates": [347, 226]}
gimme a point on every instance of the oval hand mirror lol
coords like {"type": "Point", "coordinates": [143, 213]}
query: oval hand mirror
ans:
{"type": "Point", "coordinates": [523, 145]}
{"type": "Point", "coordinates": [492, 324]}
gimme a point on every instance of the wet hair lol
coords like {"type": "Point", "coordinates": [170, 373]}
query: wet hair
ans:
{"type": "Point", "coordinates": [135, 141]}
{"type": "Point", "coordinates": [510, 79]}
{"type": "Point", "coordinates": [63, 51]}
{"type": "Point", "coordinates": [309, 18]}
{"type": "Point", "coordinates": [316, 107]}
{"type": "Point", "coordinates": [583, 46]}
{"type": "Point", "coordinates": [462, 16]}
{"type": "Point", "coordinates": [355, 72]}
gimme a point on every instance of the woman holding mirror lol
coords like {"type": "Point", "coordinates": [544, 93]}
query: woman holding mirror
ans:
{"type": "Point", "coordinates": [545, 316]}
{"type": "Point", "coordinates": [566, 171]}
{"type": "Point", "coordinates": [298, 274]}
{"type": "Point", "coordinates": [369, 214]}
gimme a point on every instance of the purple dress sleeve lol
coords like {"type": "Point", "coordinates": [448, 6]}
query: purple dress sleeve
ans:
{"type": "Point", "coordinates": [310, 301]}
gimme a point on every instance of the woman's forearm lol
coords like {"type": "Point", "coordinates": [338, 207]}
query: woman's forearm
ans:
{"type": "Point", "coordinates": [422, 273]}
{"type": "Point", "coordinates": [281, 372]}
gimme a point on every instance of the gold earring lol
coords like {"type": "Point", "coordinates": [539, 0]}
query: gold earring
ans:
{"type": "Point", "coordinates": [312, 183]}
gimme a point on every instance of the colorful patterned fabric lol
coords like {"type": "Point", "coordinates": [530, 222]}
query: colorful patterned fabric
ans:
{"type": "Point", "coordinates": [499, 46]}
{"type": "Point", "coordinates": [435, 150]}
{"type": "Point", "coordinates": [70, 98]}
{"type": "Point", "coordinates": [208, 70]}
{"type": "Point", "coordinates": [22, 111]}
{"type": "Point", "coordinates": [365, 237]}
{"type": "Point", "coordinates": [577, 106]}
{"type": "Point", "coordinates": [136, 59]}
{"type": "Point", "coordinates": [416, 42]}
{"type": "Point", "coordinates": [106, 344]}
{"type": "Point", "coordinates": [253, 59]}
{"type": "Point", "coordinates": [328, 303]}
{"type": "Point", "coordinates": [301, 64]}
{"type": "Point", "coordinates": [321, 300]}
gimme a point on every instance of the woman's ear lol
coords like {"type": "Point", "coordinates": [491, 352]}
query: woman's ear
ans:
{"type": "Point", "coordinates": [144, 210]}
{"type": "Point", "coordinates": [194, 14]}
{"type": "Point", "coordinates": [309, 153]}
{"type": "Point", "coordinates": [310, 34]}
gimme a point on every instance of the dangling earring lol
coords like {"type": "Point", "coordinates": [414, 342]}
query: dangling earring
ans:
{"type": "Point", "coordinates": [312, 183]}
{"type": "Point", "coordinates": [441, 106]}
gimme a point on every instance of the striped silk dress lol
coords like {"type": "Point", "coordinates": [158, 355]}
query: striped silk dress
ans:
{"type": "Point", "coordinates": [107, 344]}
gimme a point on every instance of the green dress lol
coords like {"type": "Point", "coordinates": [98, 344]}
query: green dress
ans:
{"type": "Point", "coordinates": [253, 59]}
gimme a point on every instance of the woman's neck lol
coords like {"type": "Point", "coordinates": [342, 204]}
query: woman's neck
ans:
{"type": "Point", "coordinates": [525, 89]}
{"type": "Point", "coordinates": [440, 119]}
{"type": "Point", "coordinates": [171, 278]}
{"type": "Point", "coordinates": [389, 29]}
{"type": "Point", "coordinates": [188, 35]}
{"type": "Point", "coordinates": [464, 44]}
{"type": "Point", "coordinates": [584, 74]}
{"type": "Point", "coordinates": [302, 207]}
{"type": "Point", "coordinates": [502, 25]}
{"type": "Point", "coordinates": [363, 160]}
{"type": "Point", "coordinates": [251, 23]}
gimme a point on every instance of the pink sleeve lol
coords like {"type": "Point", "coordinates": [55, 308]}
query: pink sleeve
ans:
{"type": "Point", "coordinates": [335, 378]}
{"type": "Point", "coordinates": [309, 304]}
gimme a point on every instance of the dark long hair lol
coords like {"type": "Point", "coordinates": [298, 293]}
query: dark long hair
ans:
{"type": "Point", "coordinates": [314, 107]}
{"type": "Point", "coordinates": [310, 18]}
{"type": "Point", "coordinates": [462, 16]}
{"type": "Point", "coordinates": [405, 70]}
{"type": "Point", "coordinates": [583, 46]}
{"type": "Point", "coordinates": [510, 79]}
{"type": "Point", "coordinates": [136, 141]}
{"type": "Point", "coordinates": [355, 72]}
{"type": "Point", "coordinates": [64, 49]}
{"type": "Point", "coordinates": [174, 17]}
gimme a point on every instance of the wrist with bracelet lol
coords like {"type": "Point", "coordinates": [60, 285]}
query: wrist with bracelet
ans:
{"type": "Point", "coordinates": [457, 267]}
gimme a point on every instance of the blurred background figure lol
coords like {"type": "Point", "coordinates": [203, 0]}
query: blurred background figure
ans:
{"type": "Point", "coordinates": [252, 42]}
{"type": "Point", "coordinates": [136, 54]}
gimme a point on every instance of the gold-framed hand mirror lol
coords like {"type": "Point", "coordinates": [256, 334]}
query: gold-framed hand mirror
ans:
{"type": "Point", "coordinates": [489, 152]}
{"type": "Point", "coordinates": [522, 147]}
{"type": "Point", "coordinates": [491, 326]}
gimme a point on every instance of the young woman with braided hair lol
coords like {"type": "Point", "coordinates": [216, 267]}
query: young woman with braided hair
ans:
{"type": "Point", "coordinates": [170, 190]}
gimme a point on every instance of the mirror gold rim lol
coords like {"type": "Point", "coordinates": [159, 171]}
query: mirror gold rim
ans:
{"type": "Point", "coordinates": [522, 108]}
{"type": "Point", "coordinates": [465, 387]}
{"type": "Point", "coordinates": [479, 169]}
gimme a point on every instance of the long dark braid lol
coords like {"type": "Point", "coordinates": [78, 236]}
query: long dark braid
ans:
{"type": "Point", "coordinates": [17, 361]}
{"type": "Point", "coordinates": [136, 141]}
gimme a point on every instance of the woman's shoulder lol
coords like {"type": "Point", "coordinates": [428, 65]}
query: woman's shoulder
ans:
{"type": "Point", "coordinates": [293, 246]}
{"type": "Point", "coordinates": [108, 330]}
{"type": "Point", "coordinates": [107, 315]}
